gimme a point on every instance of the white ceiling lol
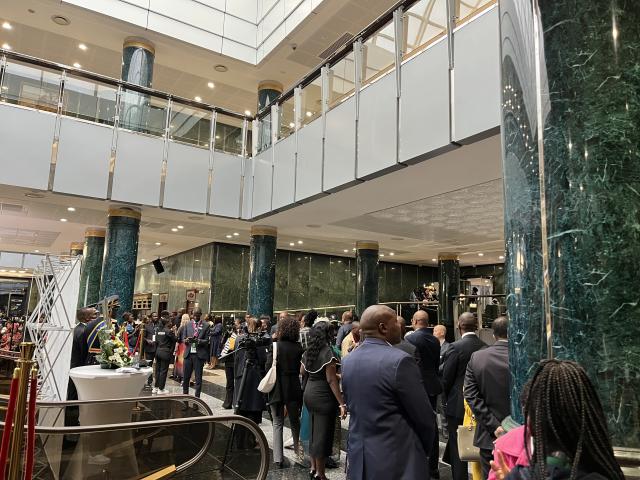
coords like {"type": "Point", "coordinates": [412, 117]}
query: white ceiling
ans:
{"type": "Point", "coordinates": [181, 68]}
{"type": "Point", "coordinates": [452, 202]}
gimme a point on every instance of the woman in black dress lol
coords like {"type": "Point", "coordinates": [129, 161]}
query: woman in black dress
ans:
{"type": "Point", "coordinates": [287, 391]}
{"type": "Point", "coordinates": [322, 396]}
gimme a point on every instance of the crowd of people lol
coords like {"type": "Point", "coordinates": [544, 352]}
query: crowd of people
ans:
{"type": "Point", "coordinates": [401, 391]}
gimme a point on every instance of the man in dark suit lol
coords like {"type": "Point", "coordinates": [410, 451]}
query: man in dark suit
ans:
{"type": "Point", "coordinates": [440, 332]}
{"type": "Point", "coordinates": [403, 344]}
{"type": "Point", "coordinates": [455, 367]}
{"type": "Point", "coordinates": [486, 390]}
{"type": "Point", "coordinates": [429, 350]}
{"type": "Point", "coordinates": [392, 425]}
{"type": "Point", "coordinates": [150, 338]}
{"type": "Point", "coordinates": [195, 336]}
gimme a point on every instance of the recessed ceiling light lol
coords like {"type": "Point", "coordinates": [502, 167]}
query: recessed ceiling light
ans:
{"type": "Point", "coordinates": [158, 244]}
{"type": "Point", "coordinates": [291, 125]}
{"type": "Point", "coordinates": [291, 244]}
{"type": "Point", "coordinates": [197, 99]}
{"type": "Point", "coordinates": [353, 249]}
{"type": "Point", "coordinates": [299, 242]}
{"type": "Point", "coordinates": [6, 25]}
{"type": "Point", "coordinates": [391, 253]}
{"type": "Point", "coordinates": [221, 68]}
{"type": "Point", "coordinates": [309, 114]}
{"type": "Point", "coordinates": [180, 227]}
{"type": "Point", "coordinates": [501, 257]}
{"type": "Point", "coordinates": [382, 254]}
{"type": "Point", "coordinates": [196, 260]}
{"type": "Point", "coordinates": [481, 254]}
{"type": "Point", "coordinates": [82, 47]}
{"type": "Point", "coordinates": [235, 234]}
{"type": "Point", "coordinates": [174, 229]}
{"type": "Point", "coordinates": [12, 271]}
{"type": "Point", "coordinates": [76, 65]}
{"type": "Point", "coordinates": [60, 20]}
{"type": "Point", "coordinates": [71, 209]}
{"type": "Point", "coordinates": [142, 260]}
{"type": "Point", "coordinates": [22, 271]}
{"type": "Point", "coordinates": [434, 259]}
{"type": "Point", "coordinates": [63, 219]}
{"type": "Point", "coordinates": [346, 251]}
{"type": "Point", "coordinates": [229, 236]}
{"type": "Point", "coordinates": [211, 85]}
{"type": "Point", "coordinates": [217, 137]}
{"type": "Point", "coordinates": [247, 113]}
{"type": "Point", "coordinates": [3, 271]}
{"type": "Point", "coordinates": [36, 251]}
{"type": "Point", "coordinates": [6, 46]}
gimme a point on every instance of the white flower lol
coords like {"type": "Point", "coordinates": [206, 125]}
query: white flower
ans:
{"type": "Point", "coordinates": [118, 350]}
{"type": "Point", "coordinates": [112, 357]}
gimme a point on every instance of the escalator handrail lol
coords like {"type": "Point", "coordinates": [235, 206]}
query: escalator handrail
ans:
{"type": "Point", "coordinates": [172, 422]}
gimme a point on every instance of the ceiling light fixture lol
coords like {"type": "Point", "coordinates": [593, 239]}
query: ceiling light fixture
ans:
{"type": "Point", "coordinates": [197, 99]}
{"type": "Point", "coordinates": [229, 236]}
{"type": "Point", "coordinates": [36, 251]}
{"type": "Point", "coordinates": [6, 46]}
{"type": "Point", "coordinates": [235, 234]}
{"type": "Point", "coordinates": [501, 257]}
{"type": "Point", "coordinates": [12, 271]}
{"type": "Point", "coordinates": [353, 249]}
{"type": "Point", "coordinates": [82, 47]}
{"type": "Point", "coordinates": [434, 259]}
{"type": "Point", "coordinates": [481, 254]}
{"type": "Point", "coordinates": [174, 229]}
{"type": "Point", "coordinates": [158, 244]}
{"type": "Point", "coordinates": [247, 113]}
{"type": "Point", "coordinates": [391, 253]}
{"type": "Point", "coordinates": [34, 195]}
{"type": "Point", "coordinates": [142, 260]}
{"type": "Point", "coordinates": [63, 219]}
{"type": "Point", "coordinates": [71, 209]}
{"type": "Point", "coordinates": [346, 251]}
{"type": "Point", "coordinates": [60, 20]}
{"type": "Point", "coordinates": [211, 85]}
{"type": "Point", "coordinates": [196, 260]}
{"type": "Point", "coordinates": [77, 65]}
{"type": "Point", "coordinates": [292, 125]}
{"type": "Point", "coordinates": [382, 254]}
{"type": "Point", "coordinates": [291, 244]}
{"type": "Point", "coordinates": [180, 227]}
{"type": "Point", "coordinates": [299, 242]}
{"type": "Point", "coordinates": [221, 68]}
{"type": "Point", "coordinates": [309, 114]}
{"type": "Point", "coordinates": [6, 25]}
{"type": "Point", "coordinates": [3, 271]}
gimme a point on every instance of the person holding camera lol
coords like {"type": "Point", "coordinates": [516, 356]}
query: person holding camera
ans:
{"type": "Point", "coordinates": [195, 336]}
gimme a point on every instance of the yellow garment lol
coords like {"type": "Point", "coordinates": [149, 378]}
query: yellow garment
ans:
{"type": "Point", "coordinates": [476, 468]}
{"type": "Point", "coordinates": [347, 345]}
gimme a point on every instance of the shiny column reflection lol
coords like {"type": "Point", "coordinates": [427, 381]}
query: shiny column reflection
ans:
{"type": "Point", "coordinates": [262, 270]}
{"type": "Point", "coordinates": [366, 275]}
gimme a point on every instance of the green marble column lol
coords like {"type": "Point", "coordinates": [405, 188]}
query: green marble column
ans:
{"type": "Point", "coordinates": [268, 90]}
{"type": "Point", "coordinates": [138, 56]}
{"type": "Point", "coordinates": [570, 117]}
{"type": "Point", "coordinates": [367, 253]}
{"type": "Point", "coordinates": [76, 248]}
{"type": "Point", "coordinates": [448, 288]}
{"type": "Point", "coordinates": [121, 252]}
{"type": "Point", "coordinates": [91, 266]}
{"type": "Point", "coordinates": [262, 270]}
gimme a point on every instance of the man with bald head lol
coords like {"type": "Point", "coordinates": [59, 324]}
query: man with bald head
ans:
{"type": "Point", "coordinates": [429, 350]}
{"type": "Point", "coordinates": [455, 367]}
{"type": "Point", "coordinates": [391, 425]}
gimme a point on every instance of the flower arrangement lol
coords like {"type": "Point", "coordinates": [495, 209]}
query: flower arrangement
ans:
{"type": "Point", "coordinates": [113, 352]}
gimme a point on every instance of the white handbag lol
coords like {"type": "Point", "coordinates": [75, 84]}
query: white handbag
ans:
{"type": "Point", "coordinates": [269, 380]}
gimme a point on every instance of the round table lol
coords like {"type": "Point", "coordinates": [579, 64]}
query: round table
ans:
{"type": "Point", "coordinates": [109, 453]}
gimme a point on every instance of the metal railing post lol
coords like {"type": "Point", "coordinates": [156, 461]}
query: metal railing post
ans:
{"type": "Point", "coordinates": [212, 158]}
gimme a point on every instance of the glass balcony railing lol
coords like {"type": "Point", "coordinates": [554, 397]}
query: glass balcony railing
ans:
{"type": "Point", "coordinates": [49, 87]}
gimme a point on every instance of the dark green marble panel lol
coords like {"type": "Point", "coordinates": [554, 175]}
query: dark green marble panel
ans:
{"type": "Point", "coordinates": [367, 279]}
{"type": "Point", "coordinates": [231, 265]}
{"type": "Point", "coordinates": [262, 275]}
{"type": "Point", "coordinates": [119, 265]}
{"type": "Point", "coordinates": [299, 271]}
{"type": "Point", "coordinates": [319, 280]}
{"type": "Point", "coordinates": [91, 271]}
{"type": "Point", "coordinates": [282, 280]}
{"type": "Point", "coordinates": [448, 288]}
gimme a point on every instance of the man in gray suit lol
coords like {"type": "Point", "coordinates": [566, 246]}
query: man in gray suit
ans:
{"type": "Point", "coordinates": [195, 336]}
{"type": "Point", "coordinates": [487, 391]}
{"type": "Point", "coordinates": [391, 425]}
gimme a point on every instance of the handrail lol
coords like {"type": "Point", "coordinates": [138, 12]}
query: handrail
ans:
{"type": "Point", "coordinates": [76, 72]}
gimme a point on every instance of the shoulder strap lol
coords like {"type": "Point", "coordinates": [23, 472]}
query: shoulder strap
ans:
{"type": "Point", "coordinates": [275, 353]}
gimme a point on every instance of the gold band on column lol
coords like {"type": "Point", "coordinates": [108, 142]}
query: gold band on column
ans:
{"type": "Point", "coordinates": [77, 245]}
{"type": "Point", "coordinates": [367, 245]}
{"type": "Point", "coordinates": [448, 256]}
{"type": "Point", "coordinates": [139, 43]}
{"type": "Point", "coordinates": [264, 230]}
{"type": "Point", "coordinates": [270, 85]}
{"type": "Point", "coordinates": [95, 232]}
{"type": "Point", "coordinates": [125, 212]}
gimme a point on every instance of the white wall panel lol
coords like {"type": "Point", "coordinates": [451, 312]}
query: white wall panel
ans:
{"type": "Point", "coordinates": [377, 126]}
{"type": "Point", "coordinates": [136, 177]}
{"type": "Point", "coordinates": [240, 30]}
{"type": "Point", "coordinates": [225, 187]}
{"type": "Point", "coordinates": [83, 153]}
{"type": "Point", "coordinates": [340, 145]}
{"type": "Point", "coordinates": [187, 180]}
{"type": "Point", "coordinates": [284, 172]}
{"type": "Point", "coordinates": [262, 181]}
{"type": "Point", "coordinates": [244, 9]}
{"type": "Point", "coordinates": [239, 51]}
{"type": "Point", "coordinates": [123, 11]}
{"type": "Point", "coordinates": [185, 33]}
{"type": "Point", "coordinates": [26, 138]}
{"type": "Point", "coordinates": [247, 190]}
{"type": "Point", "coordinates": [309, 174]}
{"type": "Point", "coordinates": [424, 103]}
{"type": "Point", "coordinates": [191, 13]}
{"type": "Point", "coordinates": [477, 76]}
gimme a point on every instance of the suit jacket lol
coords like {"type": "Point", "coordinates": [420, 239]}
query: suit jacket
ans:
{"type": "Point", "coordinates": [202, 342]}
{"type": "Point", "coordinates": [455, 367]}
{"type": "Point", "coordinates": [151, 329]}
{"type": "Point", "coordinates": [409, 348]}
{"type": "Point", "coordinates": [444, 350]}
{"type": "Point", "coordinates": [429, 349]}
{"type": "Point", "coordinates": [486, 390]}
{"type": "Point", "coordinates": [392, 424]}
{"type": "Point", "coordinates": [79, 347]}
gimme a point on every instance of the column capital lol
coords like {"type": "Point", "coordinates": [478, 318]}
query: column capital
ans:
{"type": "Point", "coordinates": [139, 42]}
{"type": "Point", "coordinates": [448, 256]}
{"type": "Point", "coordinates": [367, 245]}
{"type": "Point", "coordinates": [125, 212]}
{"type": "Point", "coordinates": [270, 85]}
{"type": "Point", "coordinates": [95, 232]}
{"type": "Point", "coordinates": [265, 230]}
{"type": "Point", "coordinates": [77, 246]}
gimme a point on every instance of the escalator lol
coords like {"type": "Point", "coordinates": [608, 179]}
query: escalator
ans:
{"type": "Point", "coordinates": [172, 436]}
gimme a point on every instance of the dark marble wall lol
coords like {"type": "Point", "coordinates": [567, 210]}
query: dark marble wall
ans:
{"type": "Point", "coordinates": [91, 273]}
{"type": "Point", "coordinates": [448, 288]}
{"type": "Point", "coordinates": [583, 227]}
{"type": "Point", "coordinates": [262, 274]}
{"type": "Point", "coordinates": [495, 271]}
{"type": "Point", "coordinates": [367, 278]}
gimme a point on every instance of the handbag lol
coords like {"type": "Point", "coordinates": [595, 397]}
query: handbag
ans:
{"type": "Point", "coordinates": [269, 380]}
{"type": "Point", "coordinates": [467, 451]}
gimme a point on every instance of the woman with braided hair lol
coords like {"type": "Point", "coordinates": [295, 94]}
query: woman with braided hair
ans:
{"type": "Point", "coordinates": [565, 431]}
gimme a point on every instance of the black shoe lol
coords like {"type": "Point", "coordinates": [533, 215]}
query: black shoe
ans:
{"type": "Point", "coordinates": [312, 474]}
{"type": "Point", "coordinates": [226, 406]}
{"type": "Point", "coordinates": [331, 463]}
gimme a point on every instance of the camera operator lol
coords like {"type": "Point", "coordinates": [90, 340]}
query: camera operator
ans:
{"type": "Point", "coordinates": [195, 336]}
{"type": "Point", "coordinates": [250, 359]}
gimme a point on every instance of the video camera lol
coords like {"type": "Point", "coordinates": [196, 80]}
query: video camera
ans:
{"type": "Point", "coordinates": [253, 340]}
